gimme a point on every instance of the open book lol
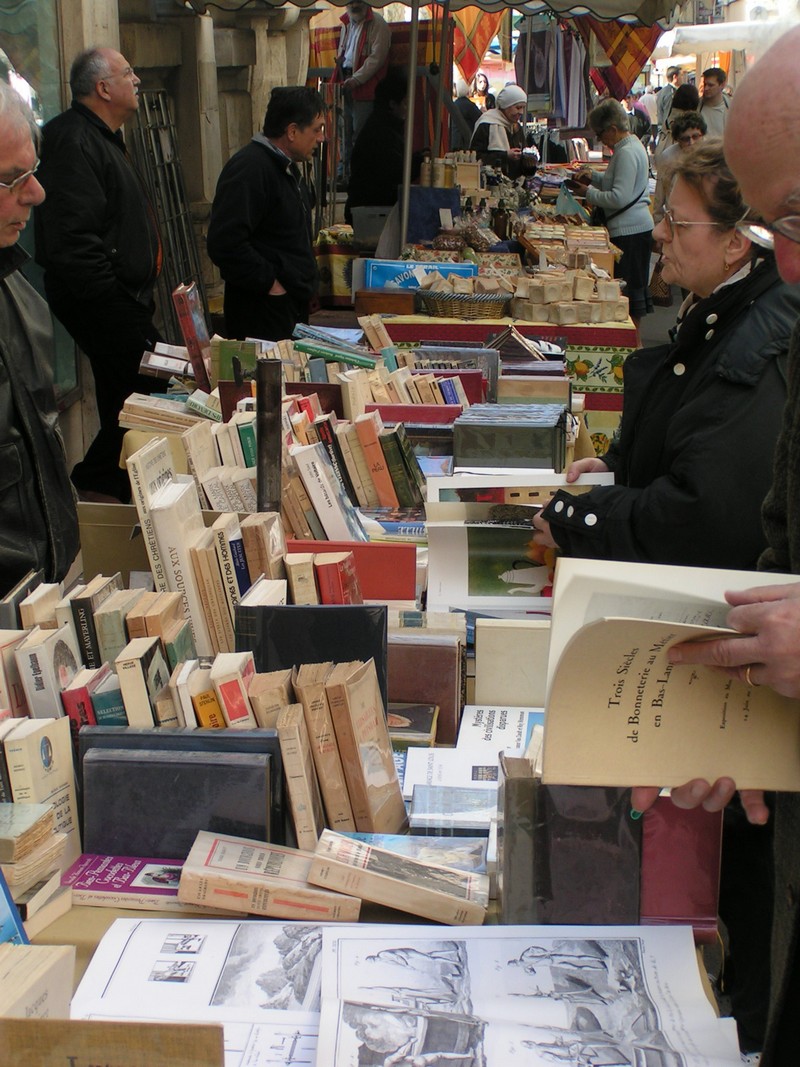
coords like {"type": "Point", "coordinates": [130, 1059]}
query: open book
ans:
{"type": "Point", "coordinates": [619, 713]}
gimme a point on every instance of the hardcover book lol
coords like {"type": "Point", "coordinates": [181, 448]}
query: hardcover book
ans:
{"type": "Point", "coordinates": [429, 667]}
{"type": "Point", "coordinates": [208, 741]}
{"type": "Point", "coordinates": [263, 879]}
{"type": "Point", "coordinates": [337, 578]}
{"type": "Point", "coordinates": [377, 875]}
{"type": "Point", "coordinates": [153, 802]}
{"type": "Point", "coordinates": [284, 635]}
{"type": "Point", "coordinates": [411, 724]}
{"type": "Point", "coordinates": [142, 673]}
{"type": "Point", "coordinates": [452, 810]}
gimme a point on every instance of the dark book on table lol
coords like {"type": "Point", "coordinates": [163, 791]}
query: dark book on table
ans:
{"type": "Point", "coordinates": [566, 854]}
{"type": "Point", "coordinates": [189, 739]}
{"type": "Point", "coordinates": [282, 636]}
{"type": "Point", "coordinates": [147, 802]}
{"type": "Point", "coordinates": [426, 667]}
{"type": "Point", "coordinates": [9, 604]}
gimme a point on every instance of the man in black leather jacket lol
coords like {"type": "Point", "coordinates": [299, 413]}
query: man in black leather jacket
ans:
{"type": "Point", "coordinates": [38, 523]}
{"type": "Point", "coordinates": [98, 242]}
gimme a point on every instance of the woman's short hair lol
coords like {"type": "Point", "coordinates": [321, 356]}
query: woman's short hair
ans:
{"type": "Point", "coordinates": [686, 98]}
{"type": "Point", "coordinates": [690, 120]}
{"type": "Point", "coordinates": [703, 167]}
{"type": "Point", "coordinates": [608, 113]}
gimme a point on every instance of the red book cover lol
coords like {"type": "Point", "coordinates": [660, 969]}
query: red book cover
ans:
{"type": "Point", "coordinates": [191, 317]}
{"type": "Point", "coordinates": [337, 579]}
{"type": "Point", "coordinates": [680, 868]}
{"type": "Point", "coordinates": [368, 427]}
{"type": "Point", "coordinates": [386, 570]}
{"type": "Point", "coordinates": [418, 414]}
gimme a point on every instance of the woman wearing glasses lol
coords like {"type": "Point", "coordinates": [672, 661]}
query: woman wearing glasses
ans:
{"type": "Point", "coordinates": [687, 129]}
{"type": "Point", "coordinates": [693, 456]}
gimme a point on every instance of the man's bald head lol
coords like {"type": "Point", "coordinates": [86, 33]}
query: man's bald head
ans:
{"type": "Point", "coordinates": [762, 142]}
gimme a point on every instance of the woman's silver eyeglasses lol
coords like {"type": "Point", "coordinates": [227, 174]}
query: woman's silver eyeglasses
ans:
{"type": "Point", "coordinates": [673, 224]}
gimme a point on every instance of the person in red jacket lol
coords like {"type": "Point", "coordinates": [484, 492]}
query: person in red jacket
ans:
{"type": "Point", "coordinates": [361, 61]}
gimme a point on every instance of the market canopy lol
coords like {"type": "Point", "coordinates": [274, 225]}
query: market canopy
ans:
{"type": "Point", "coordinates": [752, 37]}
{"type": "Point", "coordinates": [646, 12]}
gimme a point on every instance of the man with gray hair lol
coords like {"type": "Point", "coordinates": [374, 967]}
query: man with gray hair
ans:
{"type": "Point", "coordinates": [38, 523]}
{"type": "Point", "coordinates": [97, 239]}
{"type": "Point", "coordinates": [762, 146]}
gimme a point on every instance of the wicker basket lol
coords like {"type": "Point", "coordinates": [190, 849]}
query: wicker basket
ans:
{"type": "Point", "coordinates": [465, 305]}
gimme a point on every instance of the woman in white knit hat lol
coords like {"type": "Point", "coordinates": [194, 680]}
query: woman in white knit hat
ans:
{"type": "Point", "coordinates": [499, 138]}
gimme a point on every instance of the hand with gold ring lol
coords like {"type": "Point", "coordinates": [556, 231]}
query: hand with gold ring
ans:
{"type": "Point", "coordinates": [768, 620]}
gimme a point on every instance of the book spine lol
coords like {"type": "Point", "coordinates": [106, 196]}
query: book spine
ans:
{"type": "Point", "coordinates": [240, 564]}
{"type": "Point", "coordinates": [290, 509]}
{"type": "Point", "coordinates": [406, 496]}
{"type": "Point", "coordinates": [133, 686]}
{"type": "Point", "coordinates": [109, 708]}
{"type": "Point", "coordinates": [207, 710]}
{"type": "Point", "coordinates": [202, 588]}
{"type": "Point", "coordinates": [331, 444]}
{"type": "Point", "coordinates": [351, 759]}
{"type": "Point", "coordinates": [269, 897]}
{"type": "Point", "coordinates": [307, 508]}
{"type": "Point", "coordinates": [78, 708]}
{"type": "Point", "coordinates": [352, 469]}
{"type": "Point", "coordinates": [141, 500]}
{"type": "Point", "coordinates": [411, 462]}
{"type": "Point", "coordinates": [6, 795]}
{"type": "Point", "coordinates": [376, 464]}
{"type": "Point", "coordinates": [247, 438]}
{"type": "Point", "coordinates": [85, 631]}
{"type": "Point", "coordinates": [334, 355]}
{"type": "Point", "coordinates": [197, 407]}
{"type": "Point", "coordinates": [111, 635]}
{"type": "Point", "coordinates": [326, 759]}
{"type": "Point", "coordinates": [182, 306]}
{"type": "Point", "coordinates": [301, 780]}
{"type": "Point", "coordinates": [394, 892]}
{"type": "Point", "coordinates": [227, 571]}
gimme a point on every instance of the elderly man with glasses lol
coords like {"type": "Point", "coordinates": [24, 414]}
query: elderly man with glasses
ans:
{"type": "Point", "coordinates": [38, 523]}
{"type": "Point", "coordinates": [762, 144]}
{"type": "Point", "coordinates": [97, 239]}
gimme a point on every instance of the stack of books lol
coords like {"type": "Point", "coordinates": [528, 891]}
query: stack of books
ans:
{"type": "Point", "coordinates": [31, 853]}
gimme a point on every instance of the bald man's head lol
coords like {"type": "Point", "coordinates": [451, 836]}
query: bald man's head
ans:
{"type": "Point", "coordinates": [762, 142]}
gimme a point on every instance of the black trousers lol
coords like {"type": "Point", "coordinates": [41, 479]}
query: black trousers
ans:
{"type": "Point", "coordinates": [113, 332]}
{"type": "Point", "coordinates": [269, 318]}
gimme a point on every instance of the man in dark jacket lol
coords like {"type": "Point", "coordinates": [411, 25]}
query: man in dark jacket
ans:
{"type": "Point", "coordinates": [38, 523]}
{"type": "Point", "coordinates": [260, 230]}
{"type": "Point", "coordinates": [762, 145]}
{"type": "Point", "coordinates": [97, 239]}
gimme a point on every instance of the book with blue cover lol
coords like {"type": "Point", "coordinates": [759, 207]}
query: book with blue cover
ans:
{"type": "Point", "coordinates": [11, 929]}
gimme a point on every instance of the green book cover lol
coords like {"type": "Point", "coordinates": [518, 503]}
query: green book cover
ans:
{"type": "Point", "coordinates": [403, 485]}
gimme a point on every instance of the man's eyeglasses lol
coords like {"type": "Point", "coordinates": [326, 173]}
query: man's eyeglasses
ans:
{"type": "Point", "coordinates": [763, 233]}
{"type": "Point", "coordinates": [129, 72]}
{"type": "Point", "coordinates": [20, 180]}
{"type": "Point", "coordinates": [673, 224]}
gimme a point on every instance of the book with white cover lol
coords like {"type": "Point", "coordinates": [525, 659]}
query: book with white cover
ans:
{"type": "Point", "coordinates": [491, 728]}
{"type": "Point", "coordinates": [150, 468]}
{"type": "Point", "coordinates": [450, 766]}
{"type": "Point", "coordinates": [47, 660]}
{"type": "Point", "coordinates": [40, 765]}
{"type": "Point", "coordinates": [511, 661]}
{"type": "Point", "coordinates": [338, 516]}
{"type": "Point", "coordinates": [178, 523]}
{"type": "Point", "coordinates": [619, 712]}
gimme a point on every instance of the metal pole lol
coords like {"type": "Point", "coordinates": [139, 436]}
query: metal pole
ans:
{"type": "Point", "coordinates": [409, 145]}
{"type": "Point", "coordinates": [440, 81]}
{"type": "Point", "coordinates": [268, 434]}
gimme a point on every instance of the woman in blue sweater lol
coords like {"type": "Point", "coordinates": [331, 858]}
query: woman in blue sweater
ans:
{"type": "Point", "coordinates": [623, 194]}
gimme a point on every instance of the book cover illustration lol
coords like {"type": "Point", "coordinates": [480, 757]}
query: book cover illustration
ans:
{"type": "Point", "coordinates": [493, 996]}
